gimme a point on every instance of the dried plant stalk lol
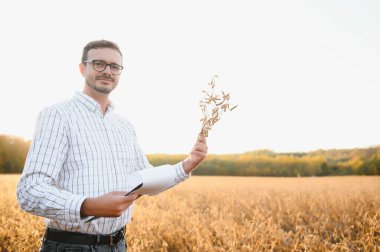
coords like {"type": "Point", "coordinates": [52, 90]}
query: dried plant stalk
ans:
{"type": "Point", "coordinates": [212, 106]}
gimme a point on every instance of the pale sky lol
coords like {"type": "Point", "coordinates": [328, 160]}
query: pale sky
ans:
{"type": "Point", "coordinates": [306, 74]}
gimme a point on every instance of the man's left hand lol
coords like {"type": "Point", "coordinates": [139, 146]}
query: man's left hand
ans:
{"type": "Point", "coordinates": [197, 154]}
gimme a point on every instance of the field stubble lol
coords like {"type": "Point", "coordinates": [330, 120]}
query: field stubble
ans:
{"type": "Point", "coordinates": [233, 214]}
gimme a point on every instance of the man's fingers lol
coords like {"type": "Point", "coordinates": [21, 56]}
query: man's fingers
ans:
{"type": "Point", "coordinates": [131, 197]}
{"type": "Point", "coordinates": [201, 139]}
{"type": "Point", "coordinates": [118, 193]}
{"type": "Point", "coordinates": [199, 152]}
{"type": "Point", "coordinates": [121, 194]}
{"type": "Point", "coordinates": [202, 148]}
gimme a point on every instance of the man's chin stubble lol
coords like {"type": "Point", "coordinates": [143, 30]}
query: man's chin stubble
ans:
{"type": "Point", "coordinates": [100, 90]}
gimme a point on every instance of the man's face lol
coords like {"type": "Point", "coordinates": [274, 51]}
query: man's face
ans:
{"type": "Point", "coordinates": [105, 81]}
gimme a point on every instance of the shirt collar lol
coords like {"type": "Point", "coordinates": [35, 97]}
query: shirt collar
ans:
{"type": "Point", "coordinates": [91, 103]}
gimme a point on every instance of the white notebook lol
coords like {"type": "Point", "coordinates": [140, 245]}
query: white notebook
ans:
{"type": "Point", "coordinates": [154, 180]}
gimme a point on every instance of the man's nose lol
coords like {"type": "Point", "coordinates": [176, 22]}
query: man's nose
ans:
{"type": "Point", "coordinates": [107, 69]}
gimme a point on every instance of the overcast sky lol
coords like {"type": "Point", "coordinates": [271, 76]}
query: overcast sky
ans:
{"type": "Point", "coordinates": [304, 73]}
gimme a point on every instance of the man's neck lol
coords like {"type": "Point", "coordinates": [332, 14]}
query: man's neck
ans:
{"type": "Point", "coordinates": [101, 98]}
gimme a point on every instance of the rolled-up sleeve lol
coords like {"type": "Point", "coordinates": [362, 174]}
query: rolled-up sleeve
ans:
{"type": "Point", "coordinates": [37, 190]}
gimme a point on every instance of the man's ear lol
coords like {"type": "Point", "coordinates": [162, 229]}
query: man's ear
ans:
{"type": "Point", "coordinates": [81, 69]}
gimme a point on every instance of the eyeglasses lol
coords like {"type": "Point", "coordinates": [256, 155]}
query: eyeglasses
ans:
{"type": "Point", "coordinates": [100, 66]}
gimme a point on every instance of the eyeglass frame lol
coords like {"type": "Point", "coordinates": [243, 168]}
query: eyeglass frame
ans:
{"type": "Point", "coordinates": [106, 65]}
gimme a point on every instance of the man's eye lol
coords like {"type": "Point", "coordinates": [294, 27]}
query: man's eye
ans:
{"type": "Point", "coordinates": [99, 64]}
{"type": "Point", "coordinates": [115, 67]}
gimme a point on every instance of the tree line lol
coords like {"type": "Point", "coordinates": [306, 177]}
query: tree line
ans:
{"type": "Point", "coordinates": [359, 161]}
{"type": "Point", "coordinates": [336, 162]}
{"type": "Point", "coordinates": [13, 151]}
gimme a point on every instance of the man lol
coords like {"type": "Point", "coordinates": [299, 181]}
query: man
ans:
{"type": "Point", "coordinates": [80, 158]}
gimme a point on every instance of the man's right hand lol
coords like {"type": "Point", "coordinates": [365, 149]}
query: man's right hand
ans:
{"type": "Point", "coordinates": [112, 204]}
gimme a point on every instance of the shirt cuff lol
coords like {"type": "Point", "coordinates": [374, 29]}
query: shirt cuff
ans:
{"type": "Point", "coordinates": [72, 208]}
{"type": "Point", "coordinates": [181, 174]}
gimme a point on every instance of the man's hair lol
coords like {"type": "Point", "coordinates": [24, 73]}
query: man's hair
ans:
{"type": "Point", "coordinates": [99, 44]}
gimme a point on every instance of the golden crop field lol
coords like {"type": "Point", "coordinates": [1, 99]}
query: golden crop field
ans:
{"type": "Point", "coordinates": [233, 214]}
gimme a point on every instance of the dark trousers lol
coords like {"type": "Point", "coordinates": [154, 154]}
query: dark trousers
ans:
{"type": "Point", "coordinates": [50, 246]}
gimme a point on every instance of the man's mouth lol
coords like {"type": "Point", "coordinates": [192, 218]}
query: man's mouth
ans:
{"type": "Point", "coordinates": [105, 80]}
